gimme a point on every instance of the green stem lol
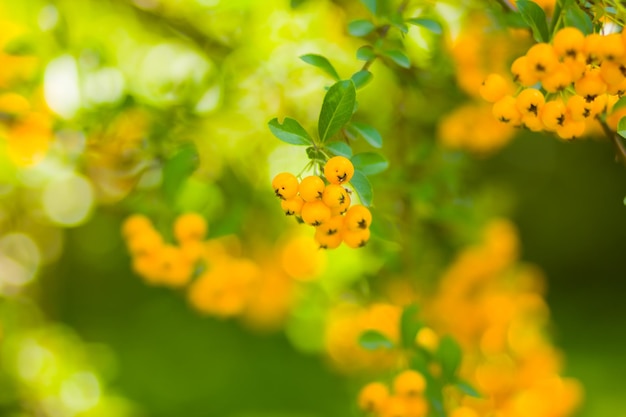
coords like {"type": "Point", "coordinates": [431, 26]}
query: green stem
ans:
{"type": "Point", "coordinates": [617, 141]}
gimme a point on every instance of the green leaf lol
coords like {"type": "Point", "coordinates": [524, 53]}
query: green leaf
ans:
{"type": "Point", "coordinates": [468, 389]}
{"type": "Point", "coordinates": [360, 27]}
{"type": "Point", "coordinates": [430, 24]}
{"type": "Point", "coordinates": [449, 355]}
{"type": "Point", "coordinates": [373, 339]}
{"type": "Point", "coordinates": [370, 163]}
{"type": "Point", "coordinates": [177, 169]}
{"type": "Point", "coordinates": [399, 58]}
{"type": "Point", "coordinates": [362, 187]}
{"type": "Point", "coordinates": [295, 3]}
{"type": "Point", "coordinates": [372, 6]}
{"type": "Point", "coordinates": [409, 325]}
{"type": "Point", "coordinates": [337, 107]}
{"type": "Point", "coordinates": [365, 53]}
{"type": "Point", "coordinates": [368, 133]}
{"type": "Point", "coordinates": [575, 16]}
{"type": "Point", "coordinates": [621, 103]}
{"type": "Point", "coordinates": [396, 21]}
{"type": "Point", "coordinates": [322, 63]}
{"type": "Point", "coordinates": [290, 131]}
{"type": "Point", "coordinates": [621, 127]}
{"type": "Point", "coordinates": [361, 78]}
{"type": "Point", "coordinates": [22, 45]}
{"type": "Point", "coordinates": [340, 149]}
{"type": "Point", "coordinates": [536, 19]}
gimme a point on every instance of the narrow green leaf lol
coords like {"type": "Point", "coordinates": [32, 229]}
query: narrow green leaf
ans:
{"type": "Point", "coordinates": [177, 169]}
{"type": "Point", "coordinates": [409, 325]}
{"type": "Point", "coordinates": [397, 21]}
{"type": "Point", "coordinates": [556, 22]}
{"type": "Point", "coordinates": [430, 24]}
{"type": "Point", "coordinates": [373, 339]}
{"type": "Point", "coordinates": [337, 107]}
{"type": "Point", "coordinates": [340, 149]}
{"type": "Point", "coordinates": [290, 131]}
{"type": "Point", "coordinates": [399, 58]}
{"type": "Point", "coordinates": [468, 389]}
{"type": "Point", "coordinates": [296, 3]}
{"type": "Point", "coordinates": [449, 355]}
{"type": "Point", "coordinates": [370, 163]}
{"type": "Point", "coordinates": [368, 133]}
{"type": "Point", "coordinates": [362, 187]}
{"type": "Point", "coordinates": [361, 78]}
{"type": "Point", "coordinates": [575, 16]}
{"type": "Point", "coordinates": [536, 19]}
{"type": "Point", "coordinates": [372, 6]}
{"type": "Point", "coordinates": [360, 27]}
{"type": "Point", "coordinates": [322, 63]}
{"type": "Point", "coordinates": [621, 127]}
{"type": "Point", "coordinates": [365, 53]}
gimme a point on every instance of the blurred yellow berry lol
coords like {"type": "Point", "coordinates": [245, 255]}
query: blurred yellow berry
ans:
{"type": "Point", "coordinates": [315, 213]}
{"type": "Point", "coordinates": [409, 383]}
{"type": "Point", "coordinates": [494, 88]}
{"type": "Point", "coordinates": [285, 185]}
{"type": "Point", "coordinates": [135, 225]}
{"type": "Point", "coordinates": [505, 110]}
{"type": "Point", "coordinates": [358, 217]}
{"type": "Point", "coordinates": [373, 397]}
{"type": "Point", "coordinates": [189, 227]}
{"type": "Point", "coordinates": [355, 238]}
{"type": "Point", "coordinates": [292, 206]}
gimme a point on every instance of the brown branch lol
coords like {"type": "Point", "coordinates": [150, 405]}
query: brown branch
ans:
{"type": "Point", "coordinates": [617, 141]}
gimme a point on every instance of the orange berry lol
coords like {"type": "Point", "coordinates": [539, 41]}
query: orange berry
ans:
{"type": "Point", "coordinates": [532, 122]}
{"type": "Point", "coordinates": [334, 195]}
{"type": "Point", "coordinates": [568, 42]}
{"type": "Point", "coordinates": [190, 226]}
{"type": "Point", "coordinates": [312, 188]}
{"type": "Point", "coordinates": [494, 88]}
{"type": "Point", "coordinates": [520, 68]}
{"type": "Point", "coordinates": [395, 407]}
{"type": "Point", "coordinates": [578, 108]}
{"type": "Point", "coordinates": [327, 240]}
{"type": "Point", "coordinates": [557, 80]}
{"type": "Point", "coordinates": [592, 48]}
{"type": "Point", "coordinates": [343, 207]}
{"type": "Point", "coordinates": [373, 397]}
{"type": "Point", "coordinates": [338, 170]}
{"type": "Point", "coordinates": [409, 383]}
{"type": "Point", "coordinates": [612, 72]}
{"type": "Point", "coordinates": [332, 226]}
{"type": "Point", "coordinates": [145, 243]}
{"type": "Point", "coordinates": [590, 85]}
{"type": "Point", "coordinates": [612, 47]}
{"type": "Point", "coordinates": [358, 217]}
{"type": "Point", "coordinates": [506, 111]}
{"type": "Point", "coordinates": [542, 59]}
{"type": "Point", "coordinates": [315, 213]}
{"type": "Point", "coordinates": [355, 238]}
{"type": "Point", "coordinates": [571, 129]}
{"type": "Point", "coordinates": [285, 185]}
{"type": "Point", "coordinates": [529, 102]}
{"type": "Point", "coordinates": [553, 114]}
{"type": "Point", "coordinates": [135, 225]}
{"type": "Point", "coordinates": [464, 412]}
{"type": "Point", "coordinates": [292, 206]}
{"type": "Point", "coordinates": [617, 89]}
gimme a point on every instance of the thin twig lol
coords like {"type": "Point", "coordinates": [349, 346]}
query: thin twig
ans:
{"type": "Point", "coordinates": [615, 138]}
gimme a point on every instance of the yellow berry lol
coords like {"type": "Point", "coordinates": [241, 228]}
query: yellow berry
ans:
{"type": "Point", "coordinates": [343, 207]}
{"type": "Point", "coordinates": [590, 85]}
{"type": "Point", "coordinates": [358, 217]}
{"type": "Point", "coordinates": [190, 226]}
{"type": "Point", "coordinates": [135, 225]}
{"type": "Point", "coordinates": [553, 114]}
{"type": "Point", "coordinates": [338, 170]}
{"type": "Point", "coordinates": [520, 68]}
{"type": "Point", "coordinates": [592, 48]}
{"type": "Point", "coordinates": [506, 111]}
{"type": "Point", "coordinates": [285, 185]}
{"type": "Point", "coordinates": [409, 383]}
{"type": "Point", "coordinates": [529, 101]}
{"type": "Point", "coordinates": [312, 188]}
{"type": "Point", "coordinates": [327, 240]}
{"type": "Point", "coordinates": [373, 397]}
{"type": "Point", "coordinates": [568, 42]}
{"type": "Point", "coordinates": [292, 206]}
{"type": "Point", "coordinates": [334, 195]}
{"type": "Point", "coordinates": [612, 47]}
{"type": "Point", "coordinates": [612, 72]}
{"type": "Point", "coordinates": [494, 88]}
{"type": "Point", "coordinates": [559, 79]}
{"type": "Point", "coordinates": [542, 59]}
{"type": "Point", "coordinates": [578, 108]}
{"type": "Point", "coordinates": [315, 213]}
{"type": "Point", "coordinates": [355, 238]}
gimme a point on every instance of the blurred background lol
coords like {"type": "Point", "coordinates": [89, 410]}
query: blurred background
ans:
{"type": "Point", "coordinates": [110, 108]}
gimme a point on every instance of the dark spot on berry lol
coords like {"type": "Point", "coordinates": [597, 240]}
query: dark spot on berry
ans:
{"type": "Point", "coordinates": [504, 119]}
{"type": "Point", "coordinates": [586, 113]}
{"type": "Point", "coordinates": [342, 178]}
{"type": "Point", "coordinates": [533, 109]}
{"type": "Point", "coordinates": [590, 97]}
{"type": "Point", "coordinates": [570, 53]}
{"type": "Point", "coordinates": [316, 223]}
{"type": "Point", "coordinates": [362, 243]}
{"type": "Point", "coordinates": [290, 213]}
{"type": "Point", "coordinates": [540, 68]}
{"type": "Point", "coordinates": [331, 232]}
{"type": "Point", "coordinates": [560, 120]}
{"type": "Point", "coordinates": [342, 199]}
{"type": "Point", "coordinates": [362, 224]}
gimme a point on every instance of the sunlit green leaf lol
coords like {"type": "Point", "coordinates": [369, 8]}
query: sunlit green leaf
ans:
{"type": "Point", "coordinates": [372, 6]}
{"type": "Point", "coordinates": [449, 355]}
{"type": "Point", "coordinates": [399, 58]}
{"type": "Point", "coordinates": [621, 127]}
{"type": "Point", "coordinates": [621, 103]}
{"type": "Point", "coordinates": [337, 108]}
{"type": "Point", "coordinates": [368, 133]}
{"type": "Point", "coordinates": [430, 24]}
{"type": "Point", "coordinates": [365, 53]}
{"type": "Point", "coordinates": [370, 163]}
{"type": "Point", "coordinates": [177, 169]}
{"type": "Point", "coordinates": [290, 131]}
{"type": "Point", "coordinates": [536, 19]}
{"type": "Point", "coordinates": [361, 78]}
{"type": "Point", "coordinates": [373, 339]}
{"type": "Point", "coordinates": [321, 62]}
{"type": "Point", "coordinates": [340, 149]}
{"type": "Point", "coordinates": [360, 27]}
{"type": "Point", "coordinates": [363, 188]}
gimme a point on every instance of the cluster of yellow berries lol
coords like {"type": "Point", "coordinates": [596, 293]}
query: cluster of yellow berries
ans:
{"type": "Point", "coordinates": [326, 205]}
{"type": "Point", "coordinates": [406, 400]}
{"type": "Point", "coordinates": [160, 262]}
{"type": "Point", "coordinates": [583, 77]}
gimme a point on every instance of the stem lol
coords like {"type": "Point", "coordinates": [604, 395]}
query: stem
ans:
{"type": "Point", "coordinates": [615, 138]}
{"type": "Point", "coordinates": [383, 34]}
